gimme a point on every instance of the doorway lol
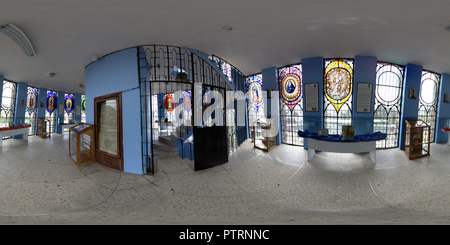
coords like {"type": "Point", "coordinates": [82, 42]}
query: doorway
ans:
{"type": "Point", "coordinates": [108, 130]}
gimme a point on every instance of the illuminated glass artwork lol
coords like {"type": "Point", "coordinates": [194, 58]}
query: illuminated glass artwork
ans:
{"type": "Point", "coordinates": [428, 100]}
{"type": "Point", "coordinates": [290, 85]}
{"type": "Point", "coordinates": [255, 91]}
{"type": "Point", "coordinates": [291, 109]}
{"type": "Point", "coordinates": [68, 103]}
{"type": "Point", "coordinates": [30, 110]}
{"type": "Point", "coordinates": [52, 102]}
{"type": "Point", "coordinates": [83, 104]}
{"type": "Point", "coordinates": [187, 98]}
{"type": "Point", "coordinates": [83, 108]}
{"type": "Point", "coordinates": [206, 97]}
{"type": "Point", "coordinates": [388, 96]}
{"type": "Point", "coordinates": [31, 100]}
{"type": "Point", "coordinates": [169, 103]}
{"type": "Point", "coordinates": [338, 88]}
{"type": "Point", "coordinates": [338, 82]}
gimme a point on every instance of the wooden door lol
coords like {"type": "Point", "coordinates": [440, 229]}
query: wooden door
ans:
{"type": "Point", "coordinates": [108, 130]}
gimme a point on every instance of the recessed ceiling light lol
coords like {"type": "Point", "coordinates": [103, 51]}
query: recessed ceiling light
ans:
{"type": "Point", "coordinates": [228, 28]}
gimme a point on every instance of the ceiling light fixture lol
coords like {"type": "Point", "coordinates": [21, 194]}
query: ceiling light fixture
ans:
{"type": "Point", "coordinates": [447, 28]}
{"type": "Point", "coordinates": [19, 37]}
{"type": "Point", "coordinates": [228, 28]}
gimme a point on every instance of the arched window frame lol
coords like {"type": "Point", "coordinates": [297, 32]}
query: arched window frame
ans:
{"type": "Point", "coordinates": [427, 110]}
{"type": "Point", "coordinates": [291, 108]}
{"type": "Point", "coordinates": [388, 98]}
{"type": "Point", "coordinates": [337, 112]}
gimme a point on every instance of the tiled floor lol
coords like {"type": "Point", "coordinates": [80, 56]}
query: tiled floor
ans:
{"type": "Point", "coordinates": [39, 184]}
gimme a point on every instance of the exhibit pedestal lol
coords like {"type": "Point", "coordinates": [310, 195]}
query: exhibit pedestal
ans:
{"type": "Point", "coordinates": [417, 139]}
{"type": "Point", "coordinates": [268, 140]}
{"type": "Point", "coordinates": [342, 147]}
{"type": "Point", "coordinates": [12, 132]}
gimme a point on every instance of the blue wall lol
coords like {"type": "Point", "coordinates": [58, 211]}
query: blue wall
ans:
{"type": "Point", "coordinates": [443, 110]}
{"type": "Point", "coordinates": [312, 72]}
{"type": "Point", "coordinates": [59, 118]}
{"type": "Point", "coordinates": [118, 72]}
{"type": "Point", "coordinates": [40, 111]}
{"type": "Point", "coordinates": [270, 81]}
{"type": "Point", "coordinates": [364, 71]}
{"type": "Point", "coordinates": [1, 90]}
{"type": "Point", "coordinates": [410, 107]}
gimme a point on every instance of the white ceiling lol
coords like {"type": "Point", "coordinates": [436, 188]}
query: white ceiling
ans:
{"type": "Point", "coordinates": [265, 33]}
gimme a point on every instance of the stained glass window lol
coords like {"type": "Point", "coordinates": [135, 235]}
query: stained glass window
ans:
{"type": "Point", "coordinates": [8, 102]}
{"type": "Point", "coordinates": [338, 88]}
{"type": "Point", "coordinates": [254, 91]}
{"type": "Point", "coordinates": [290, 87]}
{"type": "Point", "coordinates": [68, 103]}
{"type": "Point", "coordinates": [428, 99]}
{"type": "Point", "coordinates": [30, 111]}
{"type": "Point", "coordinates": [68, 109]}
{"type": "Point", "coordinates": [388, 97]}
{"type": "Point", "coordinates": [83, 108]}
{"type": "Point", "coordinates": [169, 103]}
{"type": "Point", "coordinates": [50, 114]}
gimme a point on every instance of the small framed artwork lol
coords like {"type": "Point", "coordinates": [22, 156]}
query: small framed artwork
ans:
{"type": "Point", "coordinates": [446, 98]}
{"type": "Point", "coordinates": [322, 132]}
{"type": "Point", "coordinates": [412, 93]}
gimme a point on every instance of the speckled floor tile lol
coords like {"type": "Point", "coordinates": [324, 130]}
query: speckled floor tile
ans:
{"type": "Point", "coordinates": [40, 184]}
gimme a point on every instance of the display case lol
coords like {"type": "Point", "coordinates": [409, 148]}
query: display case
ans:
{"type": "Point", "coordinates": [82, 144]}
{"type": "Point", "coordinates": [42, 124]}
{"type": "Point", "coordinates": [417, 139]}
{"type": "Point", "coordinates": [267, 141]}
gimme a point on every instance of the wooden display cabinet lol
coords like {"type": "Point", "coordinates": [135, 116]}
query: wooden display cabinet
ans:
{"type": "Point", "coordinates": [42, 128]}
{"type": "Point", "coordinates": [268, 141]}
{"type": "Point", "coordinates": [417, 139]}
{"type": "Point", "coordinates": [82, 144]}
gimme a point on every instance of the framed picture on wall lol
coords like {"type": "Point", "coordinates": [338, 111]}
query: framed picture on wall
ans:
{"type": "Point", "coordinates": [312, 97]}
{"type": "Point", "coordinates": [77, 110]}
{"type": "Point", "coordinates": [61, 109]}
{"type": "Point", "coordinates": [446, 98]}
{"type": "Point", "coordinates": [364, 97]}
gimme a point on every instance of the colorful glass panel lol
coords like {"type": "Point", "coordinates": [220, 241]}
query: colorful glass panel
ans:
{"type": "Point", "coordinates": [290, 86]}
{"type": "Point", "coordinates": [31, 100]}
{"type": "Point", "coordinates": [52, 101]}
{"type": "Point", "coordinates": [83, 104]}
{"type": "Point", "coordinates": [169, 102]}
{"type": "Point", "coordinates": [206, 100]}
{"type": "Point", "coordinates": [255, 91]}
{"type": "Point", "coordinates": [68, 103]}
{"type": "Point", "coordinates": [187, 98]}
{"type": "Point", "coordinates": [338, 83]}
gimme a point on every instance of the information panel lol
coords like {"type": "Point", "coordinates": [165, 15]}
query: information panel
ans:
{"type": "Point", "coordinates": [364, 97]}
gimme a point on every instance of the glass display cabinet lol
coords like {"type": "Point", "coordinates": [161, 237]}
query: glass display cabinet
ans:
{"type": "Point", "coordinates": [81, 144]}
{"type": "Point", "coordinates": [42, 128]}
{"type": "Point", "coordinates": [267, 141]}
{"type": "Point", "coordinates": [417, 139]}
